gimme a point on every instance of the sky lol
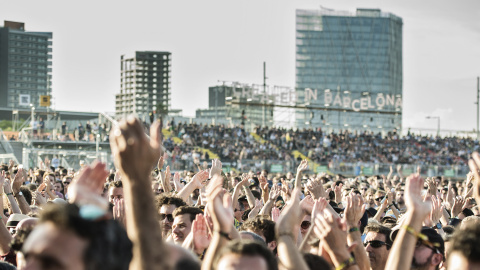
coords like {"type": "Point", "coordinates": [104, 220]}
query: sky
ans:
{"type": "Point", "coordinates": [216, 40]}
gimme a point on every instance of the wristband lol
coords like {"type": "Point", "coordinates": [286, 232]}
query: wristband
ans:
{"type": "Point", "coordinates": [224, 234]}
{"type": "Point", "coordinates": [8, 194]}
{"type": "Point", "coordinates": [349, 262]}
{"type": "Point", "coordinates": [353, 229]}
{"type": "Point", "coordinates": [412, 231]}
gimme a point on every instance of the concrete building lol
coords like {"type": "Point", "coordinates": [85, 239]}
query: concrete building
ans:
{"type": "Point", "coordinates": [144, 84]}
{"type": "Point", "coordinates": [238, 104]}
{"type": "Point", "coordinates": [25, 66]}
{"type": "Point", "coordinates": [349, 69]}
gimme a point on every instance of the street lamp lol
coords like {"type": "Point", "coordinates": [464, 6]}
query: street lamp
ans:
{"type": "Point", "coordinates": [438, 123]}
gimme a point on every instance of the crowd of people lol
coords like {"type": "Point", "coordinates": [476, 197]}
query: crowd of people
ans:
{"type": "Point", "coordinates": [139, 215]}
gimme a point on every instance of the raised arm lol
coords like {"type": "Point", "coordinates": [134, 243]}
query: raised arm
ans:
{"type": "Point", "coordinates": [221, 211]}
{"type": "Point", "coordinates": [197, 182]}
{"type": "Point", "coordinates": [135, 156]}
{"type": "Point", "coordinates": [288, 254]}
{"type": "Point", "coordinates": [298, 178]}
{"type": "Point", "coordinates": [404, 244]}
{"type": "Point", "coordinates": [16, 184]}
{"type": "Point", "coordinates": [354, 211]}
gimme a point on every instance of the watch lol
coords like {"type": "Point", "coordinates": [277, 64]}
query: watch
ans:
{"type": "Point", "coordinates": [18, 194]}
{"type": "Point", "coordinates": [438, 226]}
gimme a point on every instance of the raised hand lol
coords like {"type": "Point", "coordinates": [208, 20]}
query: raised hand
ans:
{"type": "Point", "coordinates": [291, 215]}
{"type": "Point", "coordinates": [38, 198]}
{"type": "Point", "coordinates": [354, 210]}
{"type": "Point", "coordinates": [274, 193]}
{"type": "Point", "coordinates": [437, 210]}
{"type": "Point", "coordinates": [275, 214]}
{"type": "Point", "coordinates": [315, 187]}
{"type": "Point", "coordinates": [18, 181]}
{"type": "Point", "coordinates": [200, 179]}
{"type": "Point", "coordinates": [220, 205]}
{"type": "Point", "coordinates": [160, 163]}
{"type": "Point", "coordinates": [413, 196]}
{"type": "Point", "coordinates": [338, 193]}
{"type": "Point", "coordinates": [2, 178]}
{"type": "Point", "coordinates": [457, 206]}
{"type": "Point", "coordinates": [201, 236]}
{"type": "Point", "coordinates": [87, 186]}
{"type": "Point", "coordinates": [176, 182]}
{"type": "Point", "coordinates": [307, 204]}
{"type": "Point", "coordinates": [216, 168]}
{"type": "Point", "coordinates": [303, 166]}
{"type": "Point", "coordinates": [263, 183]}
{"type": "Point", "coordinates": [135, 155]}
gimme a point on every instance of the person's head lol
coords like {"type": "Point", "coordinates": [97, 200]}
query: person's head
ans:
{"type": "Point", "coordinates": [316, 262]}
{"type": "Point", "coordinates": [244, 254]}
{"type": "Point", "coordinates": [156, 188]}
{"type": "Point", "coordinates": [264, 227]}
{"type": "Point", "coordinates": [58, 187]}
{"type": "Point", "coordinates": [165, 206]}
{"type": "Point", "coordinates": [115, 191]}
{"type": "Point", "coordinates": [239, 210]}
{"type": "Point", "coordinates": [377, 244]}
{"type": "Point", "coordinates": [428, 254]}
{"type": "Point", "coordinates": [400, 197]}
{"type": "Point", "coordinates": [379, 196]}
{"type": "Point", "coordinates": [464, 250]}
{"type": "Point", "coordinates": [183, 217]}
{"type": "Point", "coordinates": [65, 240]}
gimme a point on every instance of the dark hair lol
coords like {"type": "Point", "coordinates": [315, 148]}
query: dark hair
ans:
{"type": "Point", "coordinates": [115, 184]}
{"type": "Point", "coordinates": [467, 212]}
{"type": "Point", "coordinates": [182, 210]}
{"type": "Point", "coordinates": [316, 262]}
{"type": "Point", "coordinates": [248, 248]}
{"type": "Point", "coordinates": [373, 227]}
{"type": "Point", "coordinates": [465, 242]}
{"type": "Point", "coordinates": [17, 241]}
{"type": "Point", "coordinates": [108, 244]}
{"type": "Point", "coordinates": [166, 199]}
{"type": "Point", "coordinates": [260, 224]}
{"type": "Point", "coordinates": [7, 266]}
{"type": "Point", "coordinates": [111, 177]}
{"type": "Point", "coordinates": [27, 194]}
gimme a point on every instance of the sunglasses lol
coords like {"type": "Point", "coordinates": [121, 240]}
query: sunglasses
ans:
{"type": "Point", "coordinates": [375, 243]}
{"type": "Point", "coordinates": [305, 224]}
{"type": "Point", "coordinates": [66, 183]}
{"type": "Point", "coordinates": [379, 198]}
{"type": "Point", "coordinates": [168, 216]}
{"type": "Point", "coordinates": [237, 210]}
{"type": "Point", "coordinates": [428, 244]}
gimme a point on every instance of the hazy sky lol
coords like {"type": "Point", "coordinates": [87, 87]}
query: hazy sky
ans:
{"type": "Point", "coordinates": [229, 40]}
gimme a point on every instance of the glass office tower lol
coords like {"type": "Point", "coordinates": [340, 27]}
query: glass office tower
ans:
{"type": "Point", "coordinates": [349, 70]}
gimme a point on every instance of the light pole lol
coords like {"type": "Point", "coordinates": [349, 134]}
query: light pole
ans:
{"type": "Point", "coordinates": [33, 118]}
{"type": "Point", "coordinates": [438, 123]}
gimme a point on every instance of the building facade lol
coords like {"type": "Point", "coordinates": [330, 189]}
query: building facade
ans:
{"type": "Point", "coordinates": [349, 70]}
{"type": "Point", "coordinates": [144, 84]}
{"type": "Point", "coordinates": [240, 104]}
{"type": "Point", "coordinates": [25, 66]}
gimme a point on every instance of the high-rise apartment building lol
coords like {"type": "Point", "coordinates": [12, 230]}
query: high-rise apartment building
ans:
{"type": "Point", "coordinates": [25, 66]}
{"type": "Point", "coordinates": [144, 84]}
{"type": "Point", "coordinates": [349, 69]}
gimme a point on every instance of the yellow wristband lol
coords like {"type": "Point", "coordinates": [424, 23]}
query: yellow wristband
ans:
{"type": "Point", "coordinates": [345, 264]}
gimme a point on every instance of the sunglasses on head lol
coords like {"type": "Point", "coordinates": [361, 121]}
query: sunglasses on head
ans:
{"type": "Point", "coordinates": [305, 224]}
{"type": "Point", "coordinates": [375, 243]}
{"type": "Point", "coordinates": [379, 198]}
{"type": "Point", "coordinates": [168, 216]}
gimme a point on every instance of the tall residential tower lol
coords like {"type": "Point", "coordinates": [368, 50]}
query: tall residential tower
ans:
{"type": "Point", "coordinates": [349, 69]}
{"type": "Point", "coordinates": [25, 66]}
{"type": "Point", "coordinates": [144, 84]}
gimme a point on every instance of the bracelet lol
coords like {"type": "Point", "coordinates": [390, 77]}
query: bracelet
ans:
{"type": "Point", "coordinates": [412, 231]}
{"type": "Point", "coordinates": [349, 262]}
{"type": "Point", "coordinates": [8, 194]}
{"type": "Point", "coordinates": [1, 194]}
{"type": "Point", "coordinates": [224, 234]}
{"type": "Point", "coordinates": [353, 229]}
